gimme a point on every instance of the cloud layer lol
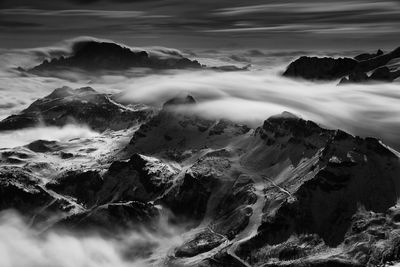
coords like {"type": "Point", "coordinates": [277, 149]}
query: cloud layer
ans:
{"type": "Point", "coordinates": [185, 23]}
{"type": "Point", "coordinates": [11, 139]}
{"type": "Point", "coordinates": [21, 246]}
{"type": "Point", "coordinates": [246, 96]}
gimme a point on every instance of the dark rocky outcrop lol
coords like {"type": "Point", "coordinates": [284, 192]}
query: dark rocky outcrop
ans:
{"type": "Point", "coordinates": [20, 190]}
{"type": "Point", "coordinates": [83, 186]}
{"type": "Point", "coordinates": [356, 77]}
{"type": "Point", "coordinates": [43, 146]}
{"type": "Point", "coordinates": [381, 74]}
{"type": "Point", "coordinates": [111, 218]}
{"type": "Point", "coordinates": [98, 56]}
{"type": "Point", "coordinates": [366, 56]}
{"type": "Point", "coordinates": [384, 74]}
{"type": "Point", "coordinates": [202, 242]}
{"type": "Point", "coordinates": [188, 201]}
{"type": "Point", "coordinates": [81, 106]}
{"type": "Point", "coordinates": [314, 68]}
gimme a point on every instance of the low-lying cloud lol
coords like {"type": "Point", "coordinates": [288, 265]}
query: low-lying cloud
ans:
{"type": "Point", "coordinates": [9, 139]}
{"type": "Point", "coordinates": [243, 96]}
{"type": "Point", "coordinates": [21, 246]}
{"type": "Point", "coordinates": [253, 96]}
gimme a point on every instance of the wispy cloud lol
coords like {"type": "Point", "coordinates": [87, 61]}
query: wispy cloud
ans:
{"type": "Point", "coordinates": [204, 23]}
{"type": "Point", "coordinates": [361, 28]}
{"type": "Point", "coordinates": [75, 12]}
{"type": "Point", "coordinates": [310, 7]}
{"type": "Point", "coordinates": [278, 28]}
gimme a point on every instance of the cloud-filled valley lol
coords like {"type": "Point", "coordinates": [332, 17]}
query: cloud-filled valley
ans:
{"type": "Point", "coordinates": [243, 96]}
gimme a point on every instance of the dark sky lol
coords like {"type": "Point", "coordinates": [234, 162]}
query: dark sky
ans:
{"type": "Point", "coordinates": [280, 24]}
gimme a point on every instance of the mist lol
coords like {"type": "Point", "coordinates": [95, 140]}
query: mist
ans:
{"type": "Point", "coordinates": [9, 139]}
{"type": "Point", "coordinates": [21, 246]}
{"type": "Point", "coordinates": [252, 96]}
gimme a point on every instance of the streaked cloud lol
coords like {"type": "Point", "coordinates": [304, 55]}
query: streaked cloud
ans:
{"type": "Point", "coordinates": [310, 7]}
{"type": "Point", "coordinates": [75, 12]}
{"type": "Point", "coordinates": [205, 24]}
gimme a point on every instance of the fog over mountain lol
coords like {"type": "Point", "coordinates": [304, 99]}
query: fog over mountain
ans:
{"type": "Point", "coordinates": [212, 134]}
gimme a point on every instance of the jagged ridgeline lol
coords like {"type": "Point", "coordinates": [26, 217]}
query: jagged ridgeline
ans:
{"type": "Point", "coordinates": [286, 193]}
{"type": "Point", "coordinates": [349, 70]}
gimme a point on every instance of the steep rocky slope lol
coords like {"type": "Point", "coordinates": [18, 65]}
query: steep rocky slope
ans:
{"type": "Point", "coordinates": [288, 193]}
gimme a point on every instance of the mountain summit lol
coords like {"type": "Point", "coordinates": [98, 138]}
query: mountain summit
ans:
{"type": "Point", "coordinates": [97, 56]}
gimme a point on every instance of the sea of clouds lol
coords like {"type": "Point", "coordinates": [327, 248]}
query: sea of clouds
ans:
{"type": "Point", "coordinates": [243, 96]}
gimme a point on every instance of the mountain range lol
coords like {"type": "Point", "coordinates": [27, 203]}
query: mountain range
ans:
{"type": "Point", "coordinates": [286, 193]}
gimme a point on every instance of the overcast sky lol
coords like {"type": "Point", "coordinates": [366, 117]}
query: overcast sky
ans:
{"type": "Point", "coordinates": [280, 24]}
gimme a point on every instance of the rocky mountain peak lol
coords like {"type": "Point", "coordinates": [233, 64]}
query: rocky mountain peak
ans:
{"type": "Point", "coordinates": [83, 106]}
{"type": "Point", "coordinates": [356, 69]}
{"type": "Point", "coordinates": [288, 124]}
{"type": "Point", "coordinates": [93, 49]}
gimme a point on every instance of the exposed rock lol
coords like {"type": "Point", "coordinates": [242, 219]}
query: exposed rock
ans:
{"type": "Point", "coordinates": [356, 77]}
{"type": "Point", "coordinates": [314, 68]}
{"type": "Point", "coordinates": [366, 56]}
{"type": "Point", "coordinates": [83, 186]}
{"type": "Point", "coordinates": [382, 74]}
{"type": "Point", "coordinates": [97, 56]}
{"type": "Point", "coordinates": [43, 146]}
{"type": "Point", "coordinates": [83, 106]}
{"type": "Point", "coordinates": [188, 201]}
{"type": "Point", "coordinates": [202, 242]}
{"type": "Point", "coordinates": [20, 191]}
{"type": "Point", "coordinates": [175, 131]}
{"type": "Point", "coordinates": [325, 203]}
{"type": "Point", "coordinates": [142, 178]}
{"type": "Point", "coordinates": [112, 218]}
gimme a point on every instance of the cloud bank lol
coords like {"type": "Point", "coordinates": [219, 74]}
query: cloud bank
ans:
{"type": "Point", "coordinates": [9, 139]}
{"type": "Point", "coordinates": [21, 246]}
{"type": "Point", "coordinates": [245, 96]}
{"type": "Point", "coordinates": [251, 97]}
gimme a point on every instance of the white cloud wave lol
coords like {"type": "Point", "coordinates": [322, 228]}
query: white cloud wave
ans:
{"type": "Point", "coordinates": [9, 139]}
{"type": "Point", "coordinates": [21, 246]}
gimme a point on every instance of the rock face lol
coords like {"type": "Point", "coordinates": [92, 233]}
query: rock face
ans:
{"type": "Point", "coordinates": [366, 56]}
{"type": "Point", "coordinates": [202, 242]}
{"type": "Point", "coordinates": [288, 193]}
{"type": "Point", "coordinates": [97, 56]}
{"type": "Point", "coordinates": [314, 68]}
{"type": "Point", "coordinates": [83, 106]}
{"type": "Point", "coordinates": [381, 74]}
